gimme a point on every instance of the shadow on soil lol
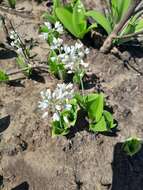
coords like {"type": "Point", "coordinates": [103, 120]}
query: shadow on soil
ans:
{"type": "Point", "coordinates": [127, 171]}
{"type": "Point", "coordinates": [7, 54]}
{"type": "Point", "coordinates": [4, 123]}
{"type": "Point", "coordinates": [22, 186]}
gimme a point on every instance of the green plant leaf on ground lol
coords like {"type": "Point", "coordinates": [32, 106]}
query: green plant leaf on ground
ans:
{"type": "Point", "coordinates": [132, 146]}
{"type": "Point", "coordinates": [12, 3]}
{"type": "Point", "coordinates": [65, 16]}
{"type": "Point", "coordinates": [100, 19]}
{"type": "Point", "coordinates": [21, 63]}
{"type": "Point", "coordinates": [49, 17]}
{"type": "Point", "coordinates": [95, 106]}
{"type": "Point", "coordinates": [109, 120]}
{"type": "Point", "coordinates": [99, 127]}
{"type": "Point", "coordinates": [3, 76]}
{"type": "Point", "coordinates": [78, 19]}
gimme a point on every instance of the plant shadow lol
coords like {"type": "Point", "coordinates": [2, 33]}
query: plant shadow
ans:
{"type": "Point", "coordinates": [7, 54]}
{"type": "Point", "coordinates": [4, 123]}
{"type": "Point", "coordinates": [81, 125]}
{"type": "Point", "coordinates": [127, 171]}
{"type": "Point", "coordinates": [92, 81]}
{"type": "Point", "coordinates": [22, 186]}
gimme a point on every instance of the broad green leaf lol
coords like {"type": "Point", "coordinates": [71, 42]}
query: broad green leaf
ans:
{"type": "Point", "coordinates": [91, 97]}
{"type": "Point", "coordinates": [78, 19]}
{"type": "Point", "coordinates": [123, 6]}
{"type": "Point", "coordinates": [132, 146]}
{"type": "Point", "coordinates": [80, 100]}
{"type": "Point", "coordinates": [109, 120]}
{"type": "Point", "coordinates": [3, 76]}
{"type": "Point", "coordinates": [56, 3]}
{"type": "Point", "coordinates": [115, 10]}
{"type": "Point", "coordinates": [95, 108]}
{"type": "Point", "coordinates": [100, 19]}
{"type": "Point", "coordinates": [99, 127]}
{"type": "Point", "coordinates": [65, 16]}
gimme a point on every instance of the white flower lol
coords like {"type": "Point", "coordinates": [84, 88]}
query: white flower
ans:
{"type": "Point", "coordinates": [56, 117]}
{"type": "Point", "coordinates": [58, 107]}
{"type": "Point", "coordinates": [78, 45]}
{"type": "Point", "coordinates": [86, 51]}
{"type": "Point", "coordinates": [12, 44]}
{"type": "Point", "coordinates": [53, 59]}
{"type": "Point", "coordinates": [56, 101]}
{"type": "Point", "coordinates": [56, 43]}
{"type": "Point", "coordinates": [72, 57]}
{"type": "Point", "coordinates": [44, 35]}
{"type": "Point", "coordinates": [68, 107]}
{"type": "Point", "coordinates": [66, 119]}
{"type": "Point", "coordinates": [20, 51]}
{"type": "Point", "coordinates": [59, 27]}
{"type": "Point", "coordinates": [13, 35]}
{"type": "Point", "coordinates": [43, 105]}
{"type": "Point", "coordinates": [48, 24]}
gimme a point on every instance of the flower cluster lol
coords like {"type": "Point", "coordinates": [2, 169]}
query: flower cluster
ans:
{"type": "Point", "coordinates": [15, 42]}
{"type": "Point", "coordinates": [51, 30]}
{"type": "Point", "coordinates": [56, 101]}
{"type": "Point", "coordinates": [71, 56]}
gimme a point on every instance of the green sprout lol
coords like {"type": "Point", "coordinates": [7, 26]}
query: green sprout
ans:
{"type": "Point", "coordinates": [132, 146]}
{"type": "Point", "coordinates": [12, 3]}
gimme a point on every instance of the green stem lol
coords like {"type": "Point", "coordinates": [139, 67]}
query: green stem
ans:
{"type": "Point", "coordinates": [82, 88]}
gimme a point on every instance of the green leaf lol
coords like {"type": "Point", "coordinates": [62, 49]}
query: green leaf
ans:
{"type": "Point", "coordinates": [80, 100]}
{"type": "Point", "coordinates": [139, 26]}
{"type": "Point", "coordinates": [21, 63]}
{"type": "Point", "coordinates": [3, 76]}
{"type": "Point", "coordinates": [91, 27]}
{"type": "Point", "coordinates": [55, 67]}
{"type": "Point", "coordinates": [78, 19]}
{"type": "Point", "coordinates": [115, 11]}
{"type": "Point", "coordinates": [95, 104]}
{"type": "Point", "coordinates": [12, 3]}
{"type": "Point", "coordinates": [99, 127]}
{"type": "Point", "coordinates": [65, 16]}
{"type": "Point", "coordinates": [49, 17]}
{"type": "Point", "coordinates": [43, 29]}
{"type": "Point", "coordinates": [132, 146]}
{"type": "Point", "coordinates": [123, 6]}
{"type": "Point", "coordinates": [57, 129]}
{"type": "Point", "coordinates": [100, 19]}
{"type": "Point", "coordinates": [67, 119]}
{"type": "Point", "coordinates": [109, 120]}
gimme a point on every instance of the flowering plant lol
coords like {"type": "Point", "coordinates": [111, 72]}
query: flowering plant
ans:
{"type": "Point", "coordinates": [100, 120]}
{"type": "Point", "coordinates": [64, 58]}
{"type": "Point", "coordinates": [23, 53]}
{"type": "Point", "coordinates": [63, 107]}
{"type": "Point", "coordinates": [75, 13]}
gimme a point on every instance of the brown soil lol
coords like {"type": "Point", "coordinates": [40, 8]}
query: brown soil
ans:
{"type": "Point", "coordinates": [31, 160]}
